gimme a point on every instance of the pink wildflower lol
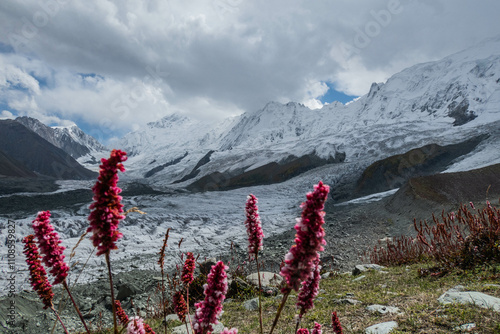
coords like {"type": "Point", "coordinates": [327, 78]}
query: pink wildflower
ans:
{"type": "Point", "coordinates": [254, 226]}
{"type": "Point", "coordinates": [107, 209]}
{"type": "Point", "coordinates": [48, 240]}
{"type": "Point", "coordinates": [229, 331]}
{"type": "Point", "coordinates": [136, 326]}
{"type": "Point", "coordinates": [337, 328]}
{"type": "Point", "coordinates": [303, 331]}
{"type": "Point", "coordinates": [180, 306]}
{"type": "Point", "coordinates": [309, 289]}
{"type": "Point", "coordinates": [38, 276]}
{"type": "Point", "coordinates": [309, 239]}
{"type": "Point", "coordinates": [188, 269]}
{"type": "Point", "coordinates": [208, 310]}
{"type": "Point", "coordinates": [317, 329]}
{"type": "Point", "coordinates": [120, 313]}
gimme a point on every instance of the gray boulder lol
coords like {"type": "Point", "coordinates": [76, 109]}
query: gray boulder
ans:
{"type": "Point", "coordinates": [361, 268]}
{"type": "Point", "coordinates": [251, 305]}
{"type": "Point", "coordinates": [456, 295]}
{"type": "Point", "coordinates": [266, 279]}
{"type": "Point", "coordinates": [382, 328]}
{"type": "Point", "coordinates": [382, 309]}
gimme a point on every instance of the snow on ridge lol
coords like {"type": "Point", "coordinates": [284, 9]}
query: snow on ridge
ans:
{"type": "Point", "coordinates": [420, 105]}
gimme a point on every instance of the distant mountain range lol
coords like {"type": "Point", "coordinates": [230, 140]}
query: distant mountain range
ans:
{"type": "Point", "coordinates": [432, 105]}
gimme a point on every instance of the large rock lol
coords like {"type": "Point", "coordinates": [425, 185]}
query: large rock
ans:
{"type": "Point", "coordinates": [382, 328]}
{"type": "Point", "coordinates": [456, 295]}
{"type": "Point", "coordinates": [126, 290]}
{"type": "Point", "coordinates": [266, 279]}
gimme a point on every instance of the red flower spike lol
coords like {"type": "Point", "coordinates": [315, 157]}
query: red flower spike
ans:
{"type": "Point", "coordinates": [38, 276]}
{"type": "Point", "coordinates": [120, 313]}
{"type": "Point", "coordinates": [309, 240]}
{"type": "Point", "coordinates": [106, 208]}
{"type": "Point", "coordinates": [180, 306]}
{"type": "Point", "coordinates": [303, 331]}
{"type": "Point", "coordinates": [254, 226]}
{"type": "Point", "coordinates": [148, 329]}
{"type": "Point", "coordinates": [188, 269]}
{"type": "Point", "coordinates": [309, 290]}
{"type": "Point", "coordinates": [337, 328]}
{"type": "Point", "coordinates": [48, 240]}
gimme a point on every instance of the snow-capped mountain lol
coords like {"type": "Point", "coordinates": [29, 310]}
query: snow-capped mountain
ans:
{"type": "Point", "coordinates": [444, 102]}
{"type": "Point", "coordinates": [70, 139]}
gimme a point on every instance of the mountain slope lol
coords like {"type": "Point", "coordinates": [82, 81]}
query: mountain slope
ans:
{"type": "Point", "coordinates": [38, 155]}
{"type": "Point", "coordinates": [12, 167]}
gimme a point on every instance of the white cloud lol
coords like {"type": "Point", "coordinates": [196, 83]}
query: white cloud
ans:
{"type": "Point", "coordinates": [13, 77]}
{"type": "Point", "coordinates": [217, 58]}
{"type": "Point", "coordinates": [5, 114]}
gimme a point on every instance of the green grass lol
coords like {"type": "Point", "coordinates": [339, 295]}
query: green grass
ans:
{"type": "Point", "coordinates": [415, 296]}
{"type": "Point", "coordinates": [402, 287]}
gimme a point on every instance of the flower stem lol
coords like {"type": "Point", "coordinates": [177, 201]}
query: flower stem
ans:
{"type": "Point", "coordinates": [163, 301]}
{"type": "Point", "coordinates": [76, 306]}
{"type": "Point", "coordinates": [189, 315]}
{"type": "Point", "coordinates": [260, 293]}
{"type": "Point", "coordinates": [108, 262]}
{"type": "Point", "coordinates": [297, 326]}
{"type": "Point", "coordinates": [59, 318]}
{"type": "Point", "coordinates": [280, 308]}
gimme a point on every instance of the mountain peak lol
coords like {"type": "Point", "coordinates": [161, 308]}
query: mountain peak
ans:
{"type": "Point", "coordinates": [70, 138]}
{"type": "Point", "coordinates": [169, 121]}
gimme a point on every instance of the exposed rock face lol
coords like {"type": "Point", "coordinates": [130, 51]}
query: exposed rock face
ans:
{"type": "Point", "coordinates": [273, 172]}
{"type": "Point", "coordinates": [71, 140]}
{"type": "Point", "coordinates": [460, 112]}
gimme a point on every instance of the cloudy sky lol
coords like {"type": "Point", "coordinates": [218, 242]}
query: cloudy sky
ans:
{"type": "Point", "coordinates": [111, 66]}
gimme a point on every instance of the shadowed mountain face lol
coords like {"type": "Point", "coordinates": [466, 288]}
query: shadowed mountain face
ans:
{"type": "Point", "coordinates": [460, 187]}
{"type": "Point", "coordinates": [38, 155]}
{"type": "Point", "coordinates": [393, 172]}
{"type": "Point", "coordinates": [270, 173]}
{"type": "Point", "coordinates": [11, 167]}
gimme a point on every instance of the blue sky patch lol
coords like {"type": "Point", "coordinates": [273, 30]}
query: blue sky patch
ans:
{"type": "Point", "coordinates": [334, 95]}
